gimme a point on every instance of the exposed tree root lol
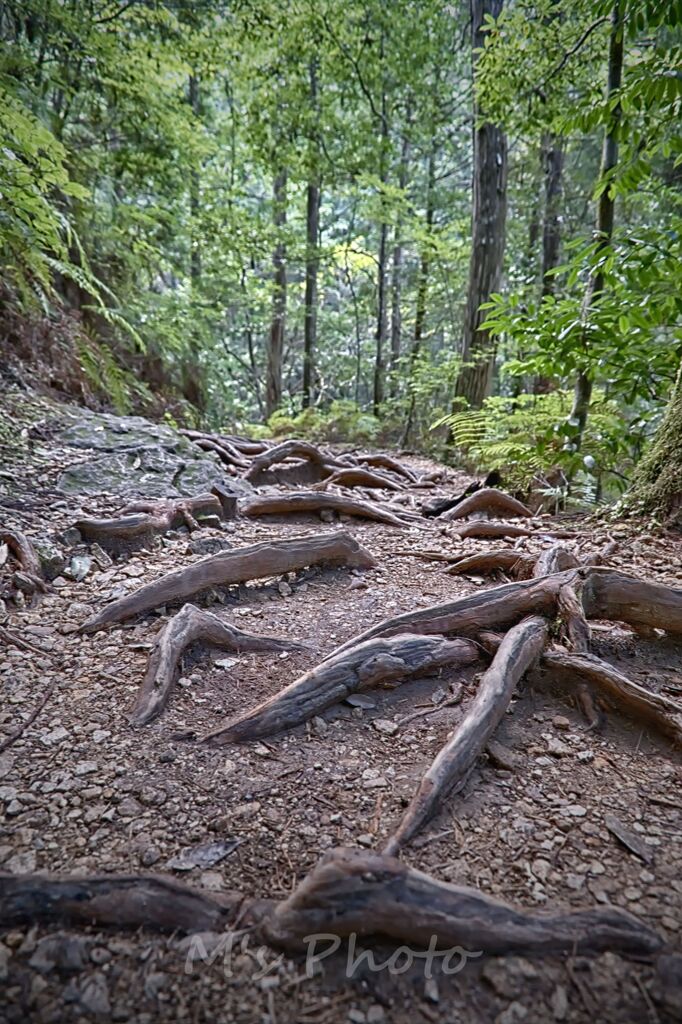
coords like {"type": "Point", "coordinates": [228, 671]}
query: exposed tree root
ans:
{"type": "Point", "coordinates": [490, 500]}
{"type": "Point", "coordinates": [482, 529]}
{"type": "Point", "coordinates": [518, 565]}
{"type": "Point", "coordinates": [269, 558]}
{"type": "Point", "coordinates": [224, 447]}
{"type": "Point", "coordinates": [288, 450]}
{"type": "Point", "coordinates": [577, 629]}
{"type": "Point", "coordinates": [493, 479]}
{"type": "Point", "coordinates": [353, 891]}
{"type": "Point", "coordinates": [386, 462]}
{"type": "Point", "coordinates": [375, 663]}
{"type": "Point", "coordinates": [29, 577]}
{"type": "Point", "coordinates": [348, 892]}
{"type": "Point", "coordinates": [141, 521]}
{"type": "Point", "coordinates": [663, 713]}
{"type": "Point", "coordinates": [519, 650]}
{"type": "Point", "coordinates": [190, 626]}
{"type": "Point", "coordinates": [8, 740]}
{"type": "Point", "coordinates": [554, 559]}
{"type": "Point", "coordinates": [313, 501]}
{"type": "Point", "coordinates": [469, 615]}
{"type": "Point", "coordinates": [356, 476]}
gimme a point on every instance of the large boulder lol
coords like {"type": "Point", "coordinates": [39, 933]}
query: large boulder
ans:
{"type": "Point", "coordinates": [134, 457]}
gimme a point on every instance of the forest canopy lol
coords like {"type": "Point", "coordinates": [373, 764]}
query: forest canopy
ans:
{"type": "Point", "coordinates": [422, 222]}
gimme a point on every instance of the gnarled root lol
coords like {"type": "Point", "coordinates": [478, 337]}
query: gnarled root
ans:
{"type": "Point", "coordinates": [188, 627]}
{"type": "Point", "coordinates": [519, 650]}
{"type": "Point", "coordinates": [288, 450]}
{"type": "Point", "coordinates": [363, 893]}
{"type": "Point", "coordinates": [347, 892]}
{"type": "Point", "coordinates": [490, 500]}
{"type": "Point", "coordinates": [516, 564]}
{"type": "Point", "coordinates": [386, 462]}
{"type": "Point", "coordinates": [141, 521]}
{"type": "Point", "coordinates": [269, 558]}
{"type": "Point", "coordinates": [375, 663]}
{"type": "Point", "coordinates": [663, 713]}
{"type": "Point", "coordinates": [312, 501]}
{"type": "Point", "coordinates": [358, 477]}
{"type": "Point", "coordinates": [28, 578]}
{"type": "Point", "coordinates": [229, 452]}
{"type": "Point", "coordinates": [482, 529]}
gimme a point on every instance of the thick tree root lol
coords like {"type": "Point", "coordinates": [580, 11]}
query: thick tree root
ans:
{"type": "Point", "coordinates": [29, 577]}
{"type": "Point", "coordinates": [269, 558]}
{"type": "Point", "coordinates": [663, 713]}
{"type": "Point", "coordinates": [141, 521]}
{"type": "Point", "coordinates": [506, 560]}
{"type": "Point", "coordinates": [519, 650]}
{"type": "Point", "coordinates": [375, 663]}
{"type": "Point", "coordinates": [356, 476]}
{"type": "Point", "coordinates": [313, 501]}
{"type": "Point", "coordinates": [606, 594]}
{"type": "Point", "coordinates": [469, 615]}
{"type": "Point", "coordinates": [229, 453]}
{"type": "Point", "coordinates": [554, 559]}
{"type": "Point", "coordinates": [482, 529]}
{"type": "Point", "coordinates": [386, 462]}
{"type": "Point", "coordinates": [490, 500]}
{"type": "Point", "coordinates": [190, 626]}
{"type": "Point", "coordinates": [288, 450]}
{"type": "Point", "coordinates": [348, 892]}
{"type": "Point", "coordinates": [358, 892]}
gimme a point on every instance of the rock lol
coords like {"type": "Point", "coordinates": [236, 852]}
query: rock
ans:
{"type": "Point", "coordinates": [13, 808]}
{"type": "Point", "coordinates": [134, 457]}
{"type": "Point", "coordinates": [365, 839]}
{"type": "Point", "coordinates": [574, 811]}
{"type": "Point", "coordinates": [94, 995]}
{"type": "Point", "coordinates": [358, 585]}
{"type": "Point", "coordinates": [375, 783]}
{"type": "Point", "coordinates": [209, 545]}
{"type": "Point", "coordinates": [385, 726]}
{"type": "Point", "coordinates": [150, 855]}
{"type": "Point", "coordinates": [79, 567]}
{"type": "Point", "coordinates": [225, 662]}
{"type": "Point", "coordinates": [502, 757]}
{"type": "Point", "coordinates": [53, 561]}
{"type": "Point", "coordinates": [560, 722]}
{"type": "Point", "coordinates": [21, 863]}
{"type": "Point", "coordinates": [129, 808]}
{"type": "Point", "coordinates": [4, 962]}
{"type": "Point", "coordinates": [284, 589]}
{"type": "Point", "coordinates": [61, 952]}
{"type": "Point", "coordinates": [375, 1014]}
{"type": "Point", "coordinates": [556, 748]}
{"type": "Point", "coordinates": [71, 537]}
{"type": "Point", "coordinates": [326, 515]}
{"type": "Point", "coordinates": [204, 855]}
{"type": "Point", "coordinates": [85, 768]}
{"type": "Point", "coordinates": [559, 1003]}
{"type": "Point", "coordinates": [55, 736]}
{"type": "Point", "coordinates": [360, 700]}
{"type": "Point", "coordinates": [668, 985]}
{"type": "Point", "coordinates": [514, 1012]}
{"type": "Point", "coordinates": [101, 558]}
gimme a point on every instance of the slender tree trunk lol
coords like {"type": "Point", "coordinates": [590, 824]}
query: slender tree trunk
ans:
{"type": "Point", "coordinates": [489, 214]}
{"type": "Point", "coordinates": [553, 166]}
{"type": "Point", "coordinates": [192, 377]}
{"type": "Point", "coordinates": [396, 274]}
{"type": "Point", "coordinates": [552, 156]}
{"type": "Point", "coordinates": [582, 394]}
{"type": "Point", "coordinates": [313, 198]}
{"type": "Point", "coordinates": [382, 324]}
{"type": "Point", "coordinates": [422, 291]}
{"type": "Point", "coordinates": [273, 385]}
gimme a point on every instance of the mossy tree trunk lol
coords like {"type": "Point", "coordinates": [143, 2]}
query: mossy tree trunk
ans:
{"type": "Point", "coordinates": [658, 479]}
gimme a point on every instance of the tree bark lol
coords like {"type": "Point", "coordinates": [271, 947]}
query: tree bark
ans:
{"type": "Point", "coordinates": [422, 290]}
{"type": "Point", "coordinates": [382, 325]}
{"type": "Point", "coordinates": [488, 222]}
{"type": "Point", "coordinates": [396, 274]}
{"type": "Point", "coordinates": [658, 478]}
{"type": "Point", "coordinates": [273, 388]}
{"type": "Point", "coordinates": [605, 211]}
{"type": "Point", "coordinates": [553, 166]}
{"type": "Point", "coordinates": [313, 198]}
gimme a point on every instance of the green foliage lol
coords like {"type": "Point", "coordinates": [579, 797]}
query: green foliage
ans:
{"type": "Point", "coordinates": [342, 421]}
{"type": "Point", "coordinates": [530, 435]}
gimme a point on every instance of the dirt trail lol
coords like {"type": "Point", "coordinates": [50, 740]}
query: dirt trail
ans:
{"type": "Point", "coordinates": [83, 793]}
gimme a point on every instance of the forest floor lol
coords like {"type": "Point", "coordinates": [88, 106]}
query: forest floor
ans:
{"type": "Point", "coordinates": [83, 792]}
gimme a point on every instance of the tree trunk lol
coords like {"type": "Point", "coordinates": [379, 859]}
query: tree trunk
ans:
{"type": "Point", "coordinates": [273, 389]}
{"type": "Point", "coordinates": [312, 259]}
{"type": "Point", "coordinates": [553, 166]}
{"type": "Point", "coordinates": [488, 222]}
{"type": "Point", "coordinates": [192, 382]}
{"type": "Point", "coordinates": [396, 277]}
{"type": "Point", "coordinates": [422, 291]}
{"type": "Point", "coordinates": [382, 326]}
{"type": "Point", "coordinates": [658, 478]}
{"type": "Point", "coordinates": [605, 211]}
